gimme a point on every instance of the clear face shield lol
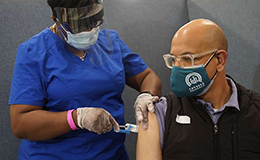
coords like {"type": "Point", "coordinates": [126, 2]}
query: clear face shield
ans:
{"type": "Point", "coordinates": [85, 28]}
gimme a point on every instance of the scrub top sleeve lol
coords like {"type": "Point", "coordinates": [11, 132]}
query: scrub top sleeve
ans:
{"type": "Point", "coordinates": [133, 63]}
{"type": "Point", "coordinates": [27, 83]}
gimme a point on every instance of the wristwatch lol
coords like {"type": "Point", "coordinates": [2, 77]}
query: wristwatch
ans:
{"type": "Point", "coordinates": [147, 92]}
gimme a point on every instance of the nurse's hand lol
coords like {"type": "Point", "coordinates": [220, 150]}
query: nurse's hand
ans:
{"type": "Point", "coordinates": [96, 120]}
{"type": "Point", "coordinates": [143, 104]}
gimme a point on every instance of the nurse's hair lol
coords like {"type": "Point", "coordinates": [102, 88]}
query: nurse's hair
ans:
{"type": "Point", "coordinates": [68, 4]}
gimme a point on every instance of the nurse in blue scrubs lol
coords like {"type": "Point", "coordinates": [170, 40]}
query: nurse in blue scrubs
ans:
{"type": "Point", "coordinates": [65, 100]}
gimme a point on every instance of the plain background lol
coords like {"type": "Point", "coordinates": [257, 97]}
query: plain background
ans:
{"type": "Point", "coordinates": [147, 27]}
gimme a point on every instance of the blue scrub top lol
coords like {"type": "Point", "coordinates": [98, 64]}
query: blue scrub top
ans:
{"type": "Point", "coordinates": [46, 74]}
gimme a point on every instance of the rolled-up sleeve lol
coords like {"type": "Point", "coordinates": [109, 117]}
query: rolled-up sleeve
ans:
{"type": "Point", "coordinates": [160, 111]}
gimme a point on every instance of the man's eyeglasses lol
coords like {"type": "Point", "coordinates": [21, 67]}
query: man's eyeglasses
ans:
{"type": "Point", "coordinates": [186, 60]}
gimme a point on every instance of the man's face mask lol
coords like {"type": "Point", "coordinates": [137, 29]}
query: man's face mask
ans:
{"type": "Point", "coordinates": [192, 80]}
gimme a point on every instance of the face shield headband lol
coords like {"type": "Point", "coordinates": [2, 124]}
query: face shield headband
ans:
{"type": "Point", "coordinates": [80, 19]}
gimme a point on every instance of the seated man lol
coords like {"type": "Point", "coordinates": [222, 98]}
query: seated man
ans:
{"type": "Point", "coordinates": [208, 116]}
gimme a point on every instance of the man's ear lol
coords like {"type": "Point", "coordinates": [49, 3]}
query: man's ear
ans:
{"type": "Point", "coordinates": [221, 60]}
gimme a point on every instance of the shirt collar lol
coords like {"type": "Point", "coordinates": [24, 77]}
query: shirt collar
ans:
{"type": "Point", "coordinates": [232, 102]}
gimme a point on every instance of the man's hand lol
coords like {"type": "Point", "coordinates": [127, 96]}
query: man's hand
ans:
{"type": "Point", "coordinates": [143, 104]}
{"type": "Point", "coordinates": [96, 120]}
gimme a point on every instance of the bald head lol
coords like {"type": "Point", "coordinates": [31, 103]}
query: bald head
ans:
{"type": "Point", "coordinates": [200, 35]}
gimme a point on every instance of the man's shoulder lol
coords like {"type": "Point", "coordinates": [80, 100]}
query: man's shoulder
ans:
{"type": "Point", "coordinates": [248, 94]}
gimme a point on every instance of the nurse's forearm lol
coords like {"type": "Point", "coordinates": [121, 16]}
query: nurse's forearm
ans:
{"type": "Point", "coordinates": [146, 81]}
{"type": "Point", "coordinates": [152, 83]}
{"type": "Point", "coordinates": [33, 123]}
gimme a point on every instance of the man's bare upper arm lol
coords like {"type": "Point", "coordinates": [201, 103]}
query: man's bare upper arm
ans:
{"type": "Point", "coordinates": [148, 142]}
